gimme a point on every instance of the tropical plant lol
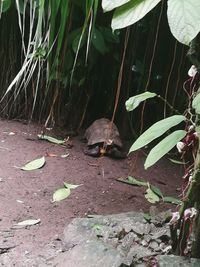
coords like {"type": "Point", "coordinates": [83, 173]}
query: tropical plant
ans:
{"type": "Point", "coordinates": [61, 43]}
{"type": "Point", "coordinates": [184, 21]}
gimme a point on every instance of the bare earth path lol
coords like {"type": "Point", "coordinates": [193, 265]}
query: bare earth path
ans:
{"type": "Point", "coordinates": [28, 195]}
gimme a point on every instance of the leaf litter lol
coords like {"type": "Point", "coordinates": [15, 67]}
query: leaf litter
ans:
{"type": "Point", "coordinates": [153, 194]}
{"type": "Point", "coordinates": [64, 192]}
{"type": "Point", "coordinates": [34, 164]}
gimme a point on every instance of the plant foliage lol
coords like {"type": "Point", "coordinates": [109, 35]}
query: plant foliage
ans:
{"type": "Point", "coordinates": [156, 130]}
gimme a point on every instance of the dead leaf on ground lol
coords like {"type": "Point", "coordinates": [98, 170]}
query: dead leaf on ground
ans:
{"type": "Point", "coordinates": [65, 155]}
{"type": "Point", "coordinates": [34, 164]}
{"type": "Point", "coordinates": [49, 154]}
{"type": "Point", "coordinates": [61, 194]}
{"type": "Point", "coordinates": [11, 133]}
{"type": "Point", "coordinates": [51, 139]}
{"type": "Point", "coordinates": [71, 186]}
{"type": "Point", "coordinates": [26, 223]}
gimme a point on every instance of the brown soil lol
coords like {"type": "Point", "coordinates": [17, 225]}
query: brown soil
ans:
{"type": "Point", "coordinates": [28, 194]}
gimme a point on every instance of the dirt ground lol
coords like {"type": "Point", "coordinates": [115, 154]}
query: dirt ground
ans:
{"type": "Point", "coordinates": [28, 194]}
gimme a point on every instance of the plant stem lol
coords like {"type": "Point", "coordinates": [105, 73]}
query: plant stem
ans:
{"type": "Point", "coordinates": [168, 104]}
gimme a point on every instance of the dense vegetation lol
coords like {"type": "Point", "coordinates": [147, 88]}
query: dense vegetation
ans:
{"type": "Point", "coordinates": [70, 66]}
{"type": "Point", "coordinates": [63, 64]}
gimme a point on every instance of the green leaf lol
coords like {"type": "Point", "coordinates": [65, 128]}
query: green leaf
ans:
{"type": "Point", "coordinates": [184, 19]}
{"type": "Point", "coordinates": [164, 147]}
{"type": "Point", "coordinates": [71, 186]}
{"type": "Point", "coordinates": [132, 12]}
{"type": "Point", "coordinates": [177, 162]}
{"type": "Point", "coordinates": [28, 222]}
{"type": "Point", "coordinates": [109, 36]}
{"type": "Point", "coordinates": [51, 139]}
{"type": "Point", "coordinates": [156, 190]}
{"type": "Point", "coordinates": [20, 6]}
{"type": "Point", "coordinates": [34, 164]}
{"type": "Point", "coordinates": [172, 200]}
{"type": "Point", "coordinates": [98, 42]}
{"type": "Point", "coordinates": [132, 181]}
{"type": "Point", "coordinates": [61, 194]}
{"type": "Point", "coordinates": [108, 5]}
{"type": "Point", "coordinates": [97, 227]}
{"type": "Point", "coordinates": [135, 181]}
{"type": "Point", "coordinates": [5, 5]}
{"type": "Point", "coordinates": [156, 130]}
{"type": "Point", "coordinates": [147, 217]}
{"type": "Point", "coordinates": [151, 196]}
{"type": "Point", "coordinates": [196, 103]}
{"type": "Point", "coordinates": [78, 41]}
{"type": "Point", "coordinates": [134, 101]}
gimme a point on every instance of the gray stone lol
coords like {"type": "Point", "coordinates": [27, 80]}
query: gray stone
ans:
{"type": "Point", "coordinates": [176, 261]}
{"type": "Point", "coordinates": [153, 244]}
{"type": "Point", "coordinates": [162, 233]}
{"type": "Point", "coordinates": [90, 254]}
{"type": "Point", "coordinates": [115, 241]}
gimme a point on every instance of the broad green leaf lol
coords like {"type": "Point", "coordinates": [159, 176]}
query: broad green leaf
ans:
{"type": "Point", "coordinates": [132, 12]}
{"type": "Point", "coordinates": [135, 181]}
{"type": "Point", "coordinates": [196, 103]}
{"type": "Point", "coordinates": [134, 101]}
{"type": "Point", "coordinates": [151, 196]}
{"type": "Point", "coordinates": [51, 139]}
{"type": "Point", "coordinates": [172, 200]}
{"type": "Point", "coordinates": [156, 130]}
{"type": "Point", "coordinates": [164, 147]}
{"type": "Point", "coordinates": [71, 186]}
{"type": "Point", "coordinates": [61, 194]}
{"type": "Point", "coordinates": [28, 222]}
{"type": "Point", "coordinates": [184, 19]}
{"type": "Point", "coordinates": [156, 190]}
{"type": "Point", "coordinates": [34, 164]}
{"type": "Point", "coordinates": [5, 5]}
{"type": "Point", "coordinates": [108, 5]}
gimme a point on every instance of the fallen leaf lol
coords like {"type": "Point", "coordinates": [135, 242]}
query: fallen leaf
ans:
{"type": "Point", "coordinates": [151, 196]}
{"type": "Point", "coordinates": [156, 190]}
{"type": "Point", "coordinates": [27, 223]}
{"type": "Point", "coordinates": [147, 217]}
{"type": "Point", "coordinates": [133, 181]}
{"type": "Point", "coordinates": [20, 201]}
{"type": "Point", "coordinates": [64, 156]}
{"type": "Point", "coordinates": [172, 200]}
{"type": "Point", "coordinates": [34, 164]}
{"type": "Point", "coordinates": [48, 154]}
{"type": "Point", "coordinates": [97, 228]}
{"type": "Point", "coordinates": [71, 186]}
{"type": "Point", "coordinates": [11, 133]}
{"type": "Point", "coordinates": [61, 194]}
{"type": "Point", "coordinates": [51, 139]}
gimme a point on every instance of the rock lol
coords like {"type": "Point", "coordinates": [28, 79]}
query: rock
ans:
{"type": "Point", "coordinates": [90, 254]}
{"type": "Point", "coordinates": [176, 261]}
{"type": "Point", "coordinates": [120, 240]}
{"type": "Point", "coordinates": [154, 245]}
